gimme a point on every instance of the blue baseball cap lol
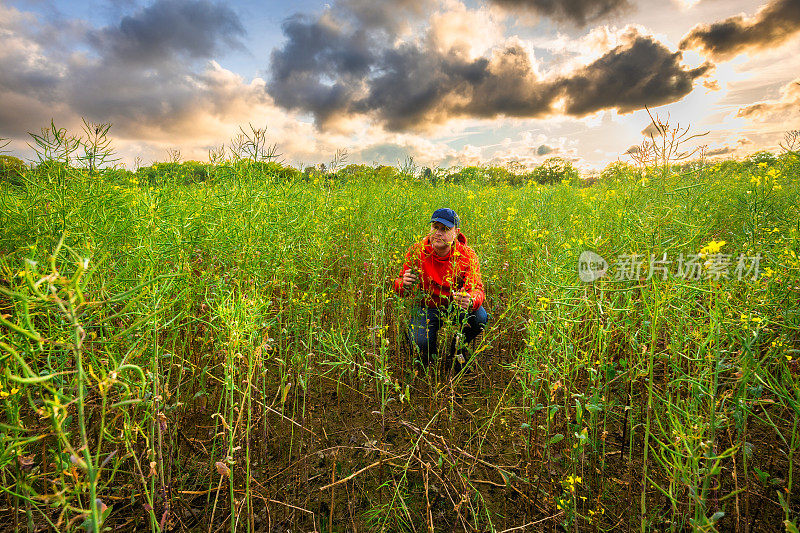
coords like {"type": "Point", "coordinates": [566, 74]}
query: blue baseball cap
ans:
{"type": "Point", "coordinates": [446, 216]}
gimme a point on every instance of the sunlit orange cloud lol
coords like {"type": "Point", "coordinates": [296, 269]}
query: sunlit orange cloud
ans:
{"type": "Point", "coordinates": [783, 112]}
{"type": "Point", "coordinates": [469, 33]}
{"type": "Point", "coordinates": [773, 24]}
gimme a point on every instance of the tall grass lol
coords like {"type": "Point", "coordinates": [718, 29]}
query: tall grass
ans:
{"type": "Point", "coordinates": [210, 355]}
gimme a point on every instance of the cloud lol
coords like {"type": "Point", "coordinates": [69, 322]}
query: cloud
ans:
{"type": "Point", "coordinates": [396, 16]}
{"type": "Point", "coordinates": [154, 101]}
{"type": "Point", "coordinates": [20, 114]}
{"type": "Point", "coordinates": [384, 154]}
{"type": "Point", "coordinates": [136, 74]}
{"type": "Point", "coordinates": [318, 51]}
{"type": "Point", "coordinates": [465, 32]}
{"type": "Point", "coordinates": [773, 24]}
{"type": "Point", "coordinates": [169, 107]}
{"type": "Point", "coordinates": [26, 67]}
{"type": "Point", "coordinates": [30, 75]}
{"type": "Point", "coordinates": [643, 73]}
{"type": "Point", "coordinates": [332, 71]}
{"type": "Point", "coordinates": [786, 109]}
{"type": "Point", "coordinates": [577, 12]}
{"type": "Point", "coordinates": [651, 130]}
{"type": "Point", "coordinates": [544, 150]}
{"type": "Point", "coordinates": [725, 150]}
{"type": "Point", "coordinates": [158, 102]}
{"type": "Point", "coordinates": [169, 29]}
{"type": "Point", "coordinates": [685, 5]}
{"type": "Point", "coordinates": [532, 159]}
{"type": "Point", "coordinates": [393, 17]}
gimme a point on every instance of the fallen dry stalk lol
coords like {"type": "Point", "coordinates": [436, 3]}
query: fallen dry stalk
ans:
{"type": "Point", "coordinates": [351, 476]}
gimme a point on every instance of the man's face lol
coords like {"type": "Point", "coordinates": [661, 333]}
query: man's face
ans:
{"type": "Point", "coordinates": [442, 237]}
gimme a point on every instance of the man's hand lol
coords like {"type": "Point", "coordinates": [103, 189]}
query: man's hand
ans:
{"type": "Point", "coordinates": [463, 300]}
{"type": "Point", "coordinates": [409, 279]}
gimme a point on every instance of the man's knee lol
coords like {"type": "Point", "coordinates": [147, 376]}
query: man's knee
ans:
{"type": "Point", "coordinates": [421, 333]}
{"type": "Point", "coordinates": [479, 318]}
{"type": "Point", "coordinates": [476, 321]}
{"type": "Point", "coordinates": [425, 346]}
{"type": "Point", "coordinates": [422, 341]}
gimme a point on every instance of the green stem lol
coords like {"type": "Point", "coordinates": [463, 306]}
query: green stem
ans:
{"type": "Point", "coordinates": [653, 339]}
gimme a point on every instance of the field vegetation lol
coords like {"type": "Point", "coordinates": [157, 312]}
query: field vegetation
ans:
{"type": "Point", "coordinates": [216, 346]}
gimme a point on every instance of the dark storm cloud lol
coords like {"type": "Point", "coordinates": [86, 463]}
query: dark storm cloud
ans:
{"type": "Point", "coordinates": [132, 100]}
{"type": "Point", "coordinates": [31, 72]}
{"type": "Point", "coordinates": [20, 76]}
{"type": "Point", "coordinates": [332, 73]}
{"type": "Point", "coordinates": [416, 86]}
{"type": "Point", "coordinates": [32, 53]}
{"type": "Point", "coordinates": [139, 76]}
{"type": "Point", "coordinates": [505, 85]}
{"type": "Point", "coordinates": [627, 78]}
{"type": "Point", "coordinates": [543, 150]}
{"type": "Point", "coordinates": [770, 26]}
{"type": "Point", "coordinates": [170, 28]}
{"type": "Point", "coordinates": [320, 66]}
{"type": "Point", "coordinates": [578, 12]}
{"type": "Point", "coordinates": [142, 80]}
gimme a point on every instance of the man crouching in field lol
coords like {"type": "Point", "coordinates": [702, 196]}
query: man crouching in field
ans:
{"type": "Point", "coordinates": [444, 273]}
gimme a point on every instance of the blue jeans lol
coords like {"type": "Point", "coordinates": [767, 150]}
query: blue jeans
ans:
{"type": "Point", "coordinates": [426, 322]}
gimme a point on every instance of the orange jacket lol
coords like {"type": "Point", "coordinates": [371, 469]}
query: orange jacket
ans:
{"type": "Point", "coordinates": [439, 276]}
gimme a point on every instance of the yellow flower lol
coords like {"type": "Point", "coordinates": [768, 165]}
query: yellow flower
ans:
{"type": "Point", "coordinates": [712, 247]}
{"type": "Point", "coordinates": [6, 394]}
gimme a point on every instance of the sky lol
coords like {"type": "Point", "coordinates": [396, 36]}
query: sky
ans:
{"type": "Point", "coordinates": [446, 82]}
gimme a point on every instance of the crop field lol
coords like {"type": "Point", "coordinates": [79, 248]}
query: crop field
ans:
{"type": "Point", "coordinates": [217, 347]}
